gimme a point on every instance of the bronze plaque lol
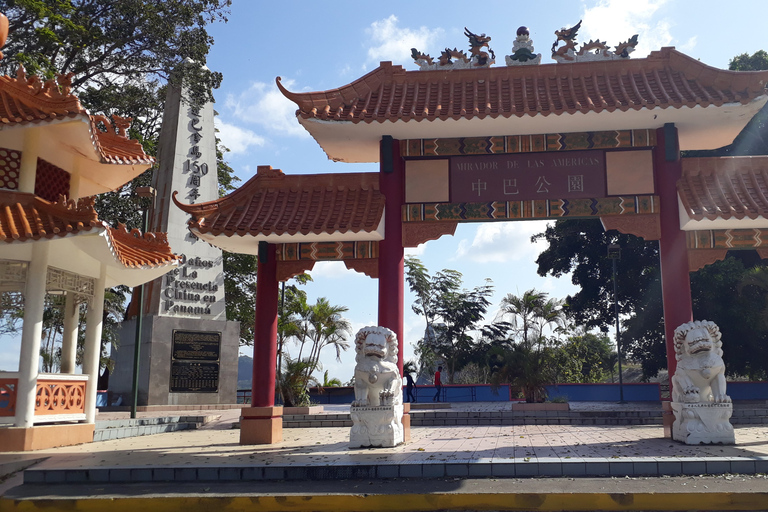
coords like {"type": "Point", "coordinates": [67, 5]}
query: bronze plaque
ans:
{"type": "Point", "coordinates": [195, 361]}
{"type": "Point", "coordinates": [518, 177]}
{"type": "Point", "coordinates": [194, 377]}
{"type": "Point", "coordinates": [196, 345]}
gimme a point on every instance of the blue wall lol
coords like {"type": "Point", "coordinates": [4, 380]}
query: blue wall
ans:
{"type": "Point", "coordinates": [747, 390]}
{"type": "Point", "coordinates": [635, 392]}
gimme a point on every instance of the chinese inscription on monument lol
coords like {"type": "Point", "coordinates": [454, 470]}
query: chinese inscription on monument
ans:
{"type": "Point", "coordinates": [187, 166]}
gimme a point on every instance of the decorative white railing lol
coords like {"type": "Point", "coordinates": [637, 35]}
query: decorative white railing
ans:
{"type": "Point", "coordinates": [60, 397]}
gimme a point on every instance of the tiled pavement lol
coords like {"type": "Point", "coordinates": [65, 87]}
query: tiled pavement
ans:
{"type": "Point", "coordinates": [214, 454]}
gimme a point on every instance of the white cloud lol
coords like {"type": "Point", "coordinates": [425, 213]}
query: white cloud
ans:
{"type": "Point", "coordinates": [330, 270]}
{"type": "Point", "coordinates": [390, 42]}
{"type": "Point", "coordinates": [689, 45]}
{"type": "Point", "coordinates": [502, 242]}
{"type": "Point", "coordinates": [263, 104]}
{"type": "Point", "coordinates": [415, 251]}
{"type": "Point", "coordinates": [615, 21]}
{"type": "Point", "coordinates": [237, 139]}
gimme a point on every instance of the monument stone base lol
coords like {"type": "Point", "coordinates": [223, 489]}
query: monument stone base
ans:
{"type": "Point", "coordinates": [703, 423]}
{"type": "Point", "coordinates": [186, 371]}
{"type": "Point", "coordinates": [378, 426]}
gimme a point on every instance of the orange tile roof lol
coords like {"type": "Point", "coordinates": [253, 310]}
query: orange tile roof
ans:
{"type": "Point", "coordinates": [26, 217]}
{"type": "Point", "coordinates": [724, 187]}
{"type": "Point", "coordinates": [26, 99]}
{"type": "Point", "coordinates": [115, 146]}
{"type": "Point", "coordinates": [666, 78]}
{"type": "Point", "coordinates": [136, 250]}
{"type": "Point", "coordinates": [272, 203]}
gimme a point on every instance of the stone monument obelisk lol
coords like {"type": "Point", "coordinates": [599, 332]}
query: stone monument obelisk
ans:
{"type": "Point", "coordinates": [188, 350]}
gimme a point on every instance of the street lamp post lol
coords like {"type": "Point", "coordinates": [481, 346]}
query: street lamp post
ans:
{"type": "Point", "coordinates": [141, 192]}
{"type": "Point", "coordinates": [614, 254]}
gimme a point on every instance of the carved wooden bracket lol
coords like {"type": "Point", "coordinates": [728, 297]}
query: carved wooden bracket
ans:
{"type": "Point", "coordinates": [289, 269]}
{"type": "Point", "coordinates": [699, 258]}
{"type": "Point", "coordinates": [368, 266]}
{"type": "Point", "coordinates": [647, 227]}
{"type": "Point", "coordinates": [415, 233]}
{"type": "Point", "coordinates": [762, 252]}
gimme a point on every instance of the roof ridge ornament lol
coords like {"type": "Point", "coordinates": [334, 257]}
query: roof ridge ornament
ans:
{"type": "Point", "coordinates": [522, 50]}
{"type": "Point", "coordinates": [591, 51]}
{"type": "Point", "coordinates": [457, 59]}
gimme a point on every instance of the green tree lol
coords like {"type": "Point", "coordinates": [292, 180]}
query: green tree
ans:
{"type": "Point", "coordinates": [313, 327]}
{"type": "Point", "coordinates": [327, 328]}
{"type": "Point", "coordinates": [585, 357]}
{"type": "Point", "coordinates": [451, 314]}
{"type": "Point", "coordinates": [240, 292]}
{"type": "Point", "coordinates": [527, 358]}
{"type": "Point", "coordinates": [293, 382]}
{"type": "Point", "coordinates": [118, 50]}
{"type": "Point", "coordinates": [429, 290]}
{"type": "Point", "coordinates": [329, 382]}
{"type": "Point", "coordinates": [579, 246]}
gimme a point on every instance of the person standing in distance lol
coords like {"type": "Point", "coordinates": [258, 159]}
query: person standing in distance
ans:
{"type": "Point", "coordinates": [438, 384]}
{"type": "Point", "coordinates": [409, 387]}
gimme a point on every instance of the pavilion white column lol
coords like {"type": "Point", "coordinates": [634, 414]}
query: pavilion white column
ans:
{"type": "Point", "coordinates": [93, 325]}
{"type": "Point", "coordinates": [28, 165]}
{"type": "Point", "coordinates": [75, 179]}
{"type": "Point", "coordinates": [69, 336]}
{"type": "Point", "coordinates": [31, 333]}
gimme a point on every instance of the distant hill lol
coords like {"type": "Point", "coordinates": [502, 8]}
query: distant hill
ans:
{"type": "Point", "coordinates": [244, 372]}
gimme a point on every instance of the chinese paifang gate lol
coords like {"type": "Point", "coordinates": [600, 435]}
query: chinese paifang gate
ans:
{"type": "Point", "coordinates": [596, 135]}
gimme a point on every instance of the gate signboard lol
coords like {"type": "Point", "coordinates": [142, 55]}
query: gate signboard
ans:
{"type": "Point", "coordinates": [561, 175]}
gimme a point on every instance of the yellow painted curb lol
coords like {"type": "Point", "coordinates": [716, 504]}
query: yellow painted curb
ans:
{"type": "Point", "coordinates": [403, 502]}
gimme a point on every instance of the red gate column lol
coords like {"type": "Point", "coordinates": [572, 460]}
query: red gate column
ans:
{"type": "Point", "coordinates": [262, 423]}
{"type": "Point", "coordinates": [673, 249]}
{"type": "Point", "coordinates": [391, 252]}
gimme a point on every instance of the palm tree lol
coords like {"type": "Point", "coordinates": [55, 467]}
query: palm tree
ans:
{"type": "Point", "coordinates": [330, 383]}
{"type": "Point", "coordinates": [315, 327]}
{"type": "Point", "coordinates": [294, 380]}
{"type": "Point", "coordinates": [328, 329]}
{"type": "Point", "coordinates": [527, 359]}
{"type": "Point", "coordinates": [531, 313]}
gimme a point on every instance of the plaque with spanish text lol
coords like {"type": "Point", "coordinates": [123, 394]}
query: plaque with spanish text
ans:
{"type": "Point", "coordinates": [195, 361]}
{"type": "Point", "coordinates": [196, 345]}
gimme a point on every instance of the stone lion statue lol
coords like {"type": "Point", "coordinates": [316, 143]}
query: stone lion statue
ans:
{"type": "Point", "coordinates": [377, 378]}
{"type": "Point", "coordinates": [700, 374]}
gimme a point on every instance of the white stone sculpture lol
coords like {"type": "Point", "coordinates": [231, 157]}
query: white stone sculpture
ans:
{"type": "Point", "coordinates": [377, 410]}
{"type": "Point", "coordinates": [701, 406]}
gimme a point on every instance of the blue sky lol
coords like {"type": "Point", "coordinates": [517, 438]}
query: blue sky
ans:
{"type": "Point", "coordinates": [317, 46]}
{"type": "Point", "coordinates": [323, 45]}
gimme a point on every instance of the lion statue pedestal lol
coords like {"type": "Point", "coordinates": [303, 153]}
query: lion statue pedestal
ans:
{"type": "Point", "coordinates": [377, 410]}
{"type": "Point", "coordinates": [702, 408]}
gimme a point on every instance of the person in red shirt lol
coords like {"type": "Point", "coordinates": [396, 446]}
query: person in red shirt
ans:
{"type": "Point", "coordinates": [438, 384]}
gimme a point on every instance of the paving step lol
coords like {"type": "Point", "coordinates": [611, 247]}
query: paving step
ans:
{"type": "Point", "coordinates": [741, 416]}
{"type": "Point", "coordinates": [122, 428]}
{"type": "Point", "coordinates": [528, 467]}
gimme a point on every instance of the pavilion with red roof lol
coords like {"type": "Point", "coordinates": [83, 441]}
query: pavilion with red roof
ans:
{"type": "Point", "coordinates": [54, 158]}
